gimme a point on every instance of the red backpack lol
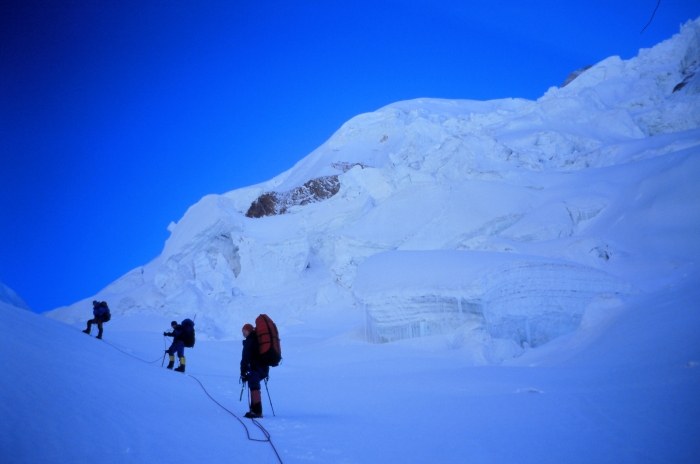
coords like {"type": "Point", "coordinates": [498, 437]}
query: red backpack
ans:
{"type": "Point", "coordinates": [270, 353]}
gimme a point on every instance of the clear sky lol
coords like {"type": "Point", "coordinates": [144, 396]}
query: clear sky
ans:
{"type": "Point", "coordinates": [116, 116]}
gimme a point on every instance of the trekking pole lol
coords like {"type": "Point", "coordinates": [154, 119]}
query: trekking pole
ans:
{"type": "Point", "coordinates": [240, 398]}
{"type": "Point", "coordinates": [164, 343]}
{"type": "Point", "coordinates": [268, 396]}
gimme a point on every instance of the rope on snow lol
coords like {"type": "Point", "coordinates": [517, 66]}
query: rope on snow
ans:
{"type": "Point", "coordinates": [267, 439]}
{"type": "Point", "coordinates": [136, 357]}
{"type": "Point", "coordinates": [258, 424]}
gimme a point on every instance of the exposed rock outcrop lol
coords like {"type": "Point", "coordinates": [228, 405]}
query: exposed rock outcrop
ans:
{"type": "Point", "coordinates": [688, 74]}
{"type": "Point", "coordinates": [345, 167]}
{"type": "Point", "coordinates": [273, 203]}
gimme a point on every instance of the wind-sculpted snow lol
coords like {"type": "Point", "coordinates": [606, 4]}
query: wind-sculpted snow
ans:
{"type": "Point", "coordinates": [595, 182]}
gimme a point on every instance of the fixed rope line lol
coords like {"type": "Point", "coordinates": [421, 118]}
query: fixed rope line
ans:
{"type": "Point", "coordinates": [262, 429]}
{"type": "Point", "coordinates": [136, 357]}
{"type": "Point", "coordinates": [267, 439]}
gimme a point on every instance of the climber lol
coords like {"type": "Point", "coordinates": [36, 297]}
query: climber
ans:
{"type": "Point", "coordinates": [183, 337]}
{"type": "Point", "coordinates": [101, 312]}
{"type": "Point", "coordinates": [252, 371]}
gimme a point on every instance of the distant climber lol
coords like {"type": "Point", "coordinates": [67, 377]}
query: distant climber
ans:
{"type": "Point", "coordinates": [101, 312]}
{"type": "Point", "coordinates": [252, 370]}
{"type": "Point", "coordinates": [183, 337]}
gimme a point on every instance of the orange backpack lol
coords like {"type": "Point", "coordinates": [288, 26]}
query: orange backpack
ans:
{"type": "Point", "coordinates": [270, 353]}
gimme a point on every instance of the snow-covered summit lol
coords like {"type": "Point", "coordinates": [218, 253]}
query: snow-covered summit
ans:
{"type": "Point", "coordinates": [613, 101]}
{"type": "Point", "coordinates": [595, 183]}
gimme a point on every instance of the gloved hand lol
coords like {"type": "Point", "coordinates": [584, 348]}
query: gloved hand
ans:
{"type": "Point", "coordinates": [165, 334]}
{"type": "Point", "coordinates": [244, 377]}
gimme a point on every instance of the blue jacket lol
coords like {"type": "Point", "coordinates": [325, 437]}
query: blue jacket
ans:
{"type": "Point", "coordinates": [176, 333]}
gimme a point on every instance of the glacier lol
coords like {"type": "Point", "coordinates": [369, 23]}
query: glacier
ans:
{"type": "Point", "coordinates": [503, 281]}
{"type": "Point", "coordinates": [554, 195]}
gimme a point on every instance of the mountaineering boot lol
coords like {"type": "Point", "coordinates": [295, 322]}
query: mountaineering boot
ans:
{"type": "Point", "coordinates": [99, 335]}
{"type": "Point", "coordinates": [255, 406]}
{"type": "Point", "coordinates": [181, 367]}
{"type": "Point", "coordinates": [86, 331]}
{"type": "Point", "coordinates": [172, 362]}
{"type": "Point", "coordinates": [255, 411]}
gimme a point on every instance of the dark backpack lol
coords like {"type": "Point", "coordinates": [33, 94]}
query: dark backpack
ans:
{"type": "Point", "coordinates": [187, 336]}
{"type": "Point", "coordinates": [107, 315]}
{"type": "Point", "coordinates": [269, 351]}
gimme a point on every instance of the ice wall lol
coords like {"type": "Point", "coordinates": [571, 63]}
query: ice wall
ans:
{"type": "Point", "coordinates": [529, 300]}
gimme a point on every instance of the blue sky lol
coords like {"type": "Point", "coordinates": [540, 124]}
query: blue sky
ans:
{"type": "Point", "coordinates": [116, 116]}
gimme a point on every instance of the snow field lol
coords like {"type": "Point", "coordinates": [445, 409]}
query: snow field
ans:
{"type": "Point", "coordinates": [623, 391]}
{"type": "Point", "coordinates": [68, 397]}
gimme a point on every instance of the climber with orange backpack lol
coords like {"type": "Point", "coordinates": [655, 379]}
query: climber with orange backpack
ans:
{"type": "Point", "coordinates": [261, 350]}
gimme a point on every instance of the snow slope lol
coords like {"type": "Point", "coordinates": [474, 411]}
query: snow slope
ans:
{"type": "Point", "coordinates": [622, 392]}
{"type": "Point", "coordinates": [9, 296]}
{"type": "Point", "coordinates": [532, 266]}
